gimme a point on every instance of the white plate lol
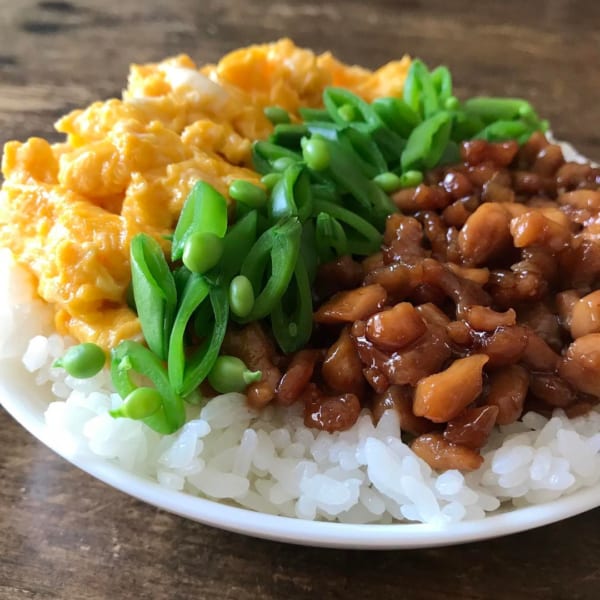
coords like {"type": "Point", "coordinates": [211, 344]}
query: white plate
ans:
{"type": "Point", "coordinates": [21, 398]}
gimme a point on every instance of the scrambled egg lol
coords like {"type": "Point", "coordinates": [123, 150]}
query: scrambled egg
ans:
{"type": "Point", "coordinates": [68, 211]}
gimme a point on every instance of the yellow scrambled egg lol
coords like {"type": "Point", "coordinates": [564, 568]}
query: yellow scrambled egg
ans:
{"type": "Point", "coordinates": [68, 211]}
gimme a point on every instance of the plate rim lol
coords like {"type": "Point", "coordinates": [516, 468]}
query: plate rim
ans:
{"type": "Point", "coordinates": [241, 520]}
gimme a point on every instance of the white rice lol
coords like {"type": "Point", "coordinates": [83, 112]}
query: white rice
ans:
{"type": "Point", "coordinates": [270, 462]}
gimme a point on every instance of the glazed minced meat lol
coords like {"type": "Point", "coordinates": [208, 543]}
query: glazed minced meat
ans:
{"type": "Point", "coordinates": [482, 304]}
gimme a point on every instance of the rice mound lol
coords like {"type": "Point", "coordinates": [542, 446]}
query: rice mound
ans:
{"type": "Point", "coordinates": [268, 461]}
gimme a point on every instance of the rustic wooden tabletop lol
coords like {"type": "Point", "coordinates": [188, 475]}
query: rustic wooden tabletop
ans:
{"type": "Point", "coordinates": [65, 535]}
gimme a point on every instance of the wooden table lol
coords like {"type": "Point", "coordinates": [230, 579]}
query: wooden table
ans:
{"type": "Point", "coordinates": [65, 535]}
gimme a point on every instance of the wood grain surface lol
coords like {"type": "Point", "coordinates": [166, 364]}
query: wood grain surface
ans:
{"type": "Point", "coordinates": [64, 535]}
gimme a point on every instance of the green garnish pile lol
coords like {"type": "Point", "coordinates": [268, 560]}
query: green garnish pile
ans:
{"type": "Point", "coordinates": [327, 179]}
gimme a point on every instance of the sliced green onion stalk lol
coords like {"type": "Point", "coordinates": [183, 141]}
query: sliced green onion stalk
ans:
{"type": "Point", "coordinates": [132, 356]}
{"type": "Point", "coordinates": [291, 319]}
{"type": "Point", "coordinates": [277, 115]}
{"type": "Point", "coordinates": [278, 247]}
{"type": "Point", "coordinates": [196, 290]}
{"type": "Point", "coordinates": [199, 364]}
{"type": "Point", "coordinates": [202, 251]}
{"type": "Point", "coordinates": [154, 292]}
{"type": "Point", "coordinates": [426, 143]}
{"type": "Point", "coordinates": [270, 179]}
{"type": "Point", "coordinates": [289, 135]}
{"type": "Point", "coordinates": [247, 193]}
{"type": "Point", "coordinates": [204, 211]}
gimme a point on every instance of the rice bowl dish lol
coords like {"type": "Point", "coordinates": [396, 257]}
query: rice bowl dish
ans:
{"type": "Point", "coordinates": [268, 458]}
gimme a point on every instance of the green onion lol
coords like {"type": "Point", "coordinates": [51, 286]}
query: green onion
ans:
{"type": "Point", "coordinates": [397, 115]}
{"type": "Point", "coordinates": [270, 180]}
{"type": "Point", "coordinates": [451, 103]}
{"type": "Point", "coordinates": [277, 115]}
{"type": "Point", "coordinates": [291, 196]}
{"type": "Point", "coordinates": [236, 245]}
{"type": "Point", "coordinates": [441, 79]}
{"type": "Point", "coordinates": [427, 142]}
{"type": "Point", "coordinates": [203, 359]}
{"type": "Point", "coordinates": [288, 135]}
{"type": "Point", "coordinates": [282, 163]}
{"type": "Point", "coordinates": [497, 109]}
{"type": "Point", "coordinates": [247, 193]}
{"type": "Point", "coordinates": [348, 113]}
{"type": "Point", "coordinates": [196, 290]}
{"type": "Point", "coordinates": [505, 130]}
{"type": "Point", "coordinates": [154, 292]}
{"type": "Point", "coordinates": [291, 319]}
{"type": "Point", "coordinates": [204, 211]}
{"type": "Point", "coordinates": [132, 356]}
{"type": "Point", "coordinates": [202, 251]}
{"type": "Point", "coordinates": [279, 246]}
